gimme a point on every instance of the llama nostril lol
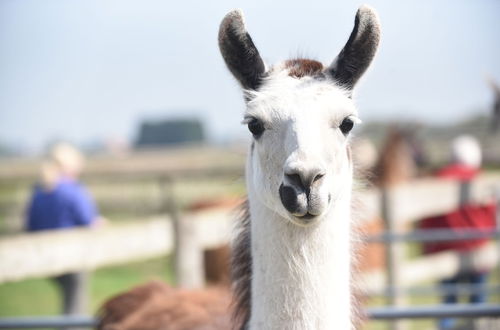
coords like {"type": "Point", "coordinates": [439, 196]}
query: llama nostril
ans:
{"type": "Point", "coordinates": [289, 199]}
{"type": "Point", "coordinates": [318, 177]}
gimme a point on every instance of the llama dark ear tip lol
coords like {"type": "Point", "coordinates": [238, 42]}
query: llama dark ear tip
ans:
{"type": "Point", "coordinates": [234, 18]}
{"type": "Point", "coordinates": [368, 13]}
{"type": "Point", "coordinates": [366, 9]}
{"type": "Point", "coordinates": [236, 13]}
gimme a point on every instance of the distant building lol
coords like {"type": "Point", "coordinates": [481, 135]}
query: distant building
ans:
{"type": "Point", "coordinates": [170, 132]}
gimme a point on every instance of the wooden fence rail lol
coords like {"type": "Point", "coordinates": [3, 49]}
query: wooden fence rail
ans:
{"type": "Point", "coordinates": [56, 252]}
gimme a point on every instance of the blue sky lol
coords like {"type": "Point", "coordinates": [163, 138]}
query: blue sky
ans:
{"type": "Point", "coordinates": [91, 69]}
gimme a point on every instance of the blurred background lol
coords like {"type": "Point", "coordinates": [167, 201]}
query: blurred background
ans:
{"type": "Point", "coordinates": [141, 90]}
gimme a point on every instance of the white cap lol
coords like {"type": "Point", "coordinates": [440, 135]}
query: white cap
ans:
{"type": "Point", "coordinates": [466, 150]}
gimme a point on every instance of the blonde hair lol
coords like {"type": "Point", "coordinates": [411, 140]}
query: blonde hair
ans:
{"type": "Point", "coordinates": [62, 159]}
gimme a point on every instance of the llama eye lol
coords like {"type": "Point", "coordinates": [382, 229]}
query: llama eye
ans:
{"type": "Point", "coordinates": [256, 127]}
{"type": "Point", "coordinates": [346, 125]}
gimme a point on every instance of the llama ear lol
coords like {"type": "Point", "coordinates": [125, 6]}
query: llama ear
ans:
{"type": "Point", "coordinates": [359, 50]}
{"type": "Point", "coordinates": [239, 52]}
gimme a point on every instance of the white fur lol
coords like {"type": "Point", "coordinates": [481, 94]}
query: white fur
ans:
{"type": "Point", "coordinates": [301, 270]}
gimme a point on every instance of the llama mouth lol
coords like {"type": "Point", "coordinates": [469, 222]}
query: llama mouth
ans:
{"type": "Point", "coordinates": [305, 220]}
{"type": "Point", "coordinates": [307, 216]}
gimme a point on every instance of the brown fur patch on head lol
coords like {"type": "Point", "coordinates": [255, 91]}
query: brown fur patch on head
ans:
{"type": "Point", "coordinates": [302, 67]}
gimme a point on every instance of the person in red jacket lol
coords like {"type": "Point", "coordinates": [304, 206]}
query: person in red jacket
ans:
{"type": "Point", "coordinates": [463, 168]}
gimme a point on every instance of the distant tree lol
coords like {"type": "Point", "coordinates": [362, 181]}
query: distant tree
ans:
{"type": "Point", "coordinates": [170, 132]}
{"type": "Point", "coordinates": [6, 150]}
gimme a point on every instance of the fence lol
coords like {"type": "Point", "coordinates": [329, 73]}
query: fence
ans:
{"type": "Point", "coordinates": [381, 313]}
{"type": "Point", "coordinates": [45, 254]}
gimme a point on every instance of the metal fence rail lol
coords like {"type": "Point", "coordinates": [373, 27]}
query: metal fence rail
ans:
{"type": "Point", "coordinates": [378, 313]}
{"type": "Point", "coordinates": [442, 289]}
{"type": "Point", "coordinates": [47, 322]}
{"type": "Point", "coordinates": [434, 311]}
{"type": "Point", "coordinates": [434, 235]}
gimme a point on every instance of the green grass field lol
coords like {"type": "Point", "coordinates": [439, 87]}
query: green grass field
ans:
{"type": "Point", "coordinates": [41, 297]}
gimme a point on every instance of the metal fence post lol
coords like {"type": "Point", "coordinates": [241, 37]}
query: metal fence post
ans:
{"type": "Point", "coordinates": [393, 256]}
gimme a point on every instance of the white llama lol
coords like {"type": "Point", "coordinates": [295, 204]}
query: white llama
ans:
{"type": "Point", "coordinates": [292, 257]}
{"type": "Point", "coordinates": [292, 261]}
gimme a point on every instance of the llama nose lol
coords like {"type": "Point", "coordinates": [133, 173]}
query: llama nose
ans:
{"type": "Point", "coordinates": [304, 178]}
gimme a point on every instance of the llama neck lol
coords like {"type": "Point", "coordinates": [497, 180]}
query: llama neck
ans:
{"type": "Point", "coordinates": [301, 276]}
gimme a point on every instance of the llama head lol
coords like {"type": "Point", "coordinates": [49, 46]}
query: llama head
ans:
{"type": "Point", "coordinates": [300, 114]}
